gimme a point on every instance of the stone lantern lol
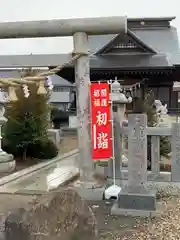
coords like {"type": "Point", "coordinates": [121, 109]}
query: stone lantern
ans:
{"type": "Point", "coordinates": [119, 101]}
{"type": "Point", "coordinates": [49, 88]}
{"type": "Point", "coordinates": [7, 162]}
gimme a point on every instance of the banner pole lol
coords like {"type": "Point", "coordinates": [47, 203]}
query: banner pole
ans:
{"type": "Point", "coordinates": [112, 127]}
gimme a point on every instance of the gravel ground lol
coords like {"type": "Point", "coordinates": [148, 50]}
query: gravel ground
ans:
{"type": "Point", "coordinates": [165, 227]}
{"type": "Point", "coordinates": [8, 202]}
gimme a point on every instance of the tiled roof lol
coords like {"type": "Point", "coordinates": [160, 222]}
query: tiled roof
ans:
{"type": "Point", "coordinates": [59, 81]}
{"type": "Point", "coordinates": [128, 62]}
{"type": "Point", "coordinates": [162, 40]}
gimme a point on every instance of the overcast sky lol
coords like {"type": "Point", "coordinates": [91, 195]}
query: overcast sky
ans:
{"type": "Point", "coordinates": [19, 10]}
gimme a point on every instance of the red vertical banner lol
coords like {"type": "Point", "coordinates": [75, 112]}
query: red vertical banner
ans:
{"type": "Point", "coordinates": [101, 121]}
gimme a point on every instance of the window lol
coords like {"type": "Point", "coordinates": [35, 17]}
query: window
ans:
{"type": "Point", "coordinates": [62, 106]}
{"type": "Point", "coordinates": [164, 95]}
{"type": "Point", "coordinates": [174, 99]}
{"type": "Point", "coordinates": [61, 89]}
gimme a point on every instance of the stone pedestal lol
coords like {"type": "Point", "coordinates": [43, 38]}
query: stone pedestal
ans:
{"type": "Point", "coordinates": [7, 163]}
{"type": "Point", "coordinates": [135, 199]}
{"type": "Point", "coordinates": [54, 135]}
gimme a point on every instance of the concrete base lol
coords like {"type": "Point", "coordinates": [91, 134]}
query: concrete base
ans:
{"type": "Point", "coordinates": [137, 199]}
{"type": "Point", "coordinates": [93, 184]}
{"type": "Point", "coordinates": [7, 163]}
{"type": "Point", "coordinates": [115, 210]}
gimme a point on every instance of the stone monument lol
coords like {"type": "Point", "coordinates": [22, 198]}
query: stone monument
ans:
{"type": "Point", "coordinates": [135, 199]}
{"type": "Point", "coordinates": [7, 162]}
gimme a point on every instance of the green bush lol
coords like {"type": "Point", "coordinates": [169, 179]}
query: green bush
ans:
{"type": "Point", "coordinates": [39, 149]}
{"type": "Point", "coordinates": [11, 149]}
{"type": "Point", "coordinates": [42, 150]}
{"type": "Point", "coordinates": [27, 125]}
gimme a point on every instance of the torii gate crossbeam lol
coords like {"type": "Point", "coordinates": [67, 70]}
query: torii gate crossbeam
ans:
{"type": "Point", "coordinates": [63, 27]}
{"type": "Point", "coordinates": [79, 29]}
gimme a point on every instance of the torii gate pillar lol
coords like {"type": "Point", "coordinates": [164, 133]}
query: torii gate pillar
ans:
{"type": "Point", "coordinates": [82, 81]}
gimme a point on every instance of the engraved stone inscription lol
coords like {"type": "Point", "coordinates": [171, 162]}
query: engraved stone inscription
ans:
{"type": "Point", "coordinates": [155, 155]}
{"type": "Point", "coordinates": [137, 150]}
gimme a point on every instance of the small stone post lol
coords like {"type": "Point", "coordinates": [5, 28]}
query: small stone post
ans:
{"type": "Point", "coordinates": [135, 198]}
{"type": "Point", "coordinates": [119, 102]}
{"type": "Point", "coordinates": [7, 162]}
{"type": "Point", "coordinates": [3, 120]}
{"type": "Point", "coordinates": [175, 168]}
{"type": "Point", "coordinates": [176, 88]}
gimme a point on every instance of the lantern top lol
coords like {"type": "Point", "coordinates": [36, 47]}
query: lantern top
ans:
{"type": "Point", "coordinates": [117, 95]}
{"type": "Point", "coordinates": [116, 86]}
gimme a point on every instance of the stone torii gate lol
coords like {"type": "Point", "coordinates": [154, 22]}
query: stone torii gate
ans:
{"type": "Point", "coordinates": [79, 29]}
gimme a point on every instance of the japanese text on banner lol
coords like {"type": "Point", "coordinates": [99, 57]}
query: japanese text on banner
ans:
{"type": "Point", "coordinates": [101, 121]}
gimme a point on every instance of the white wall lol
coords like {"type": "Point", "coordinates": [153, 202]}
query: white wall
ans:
{"type": "Point", "coordinates": [73, 122]}
{"type": "Point", "coordinates": [60, 97]}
